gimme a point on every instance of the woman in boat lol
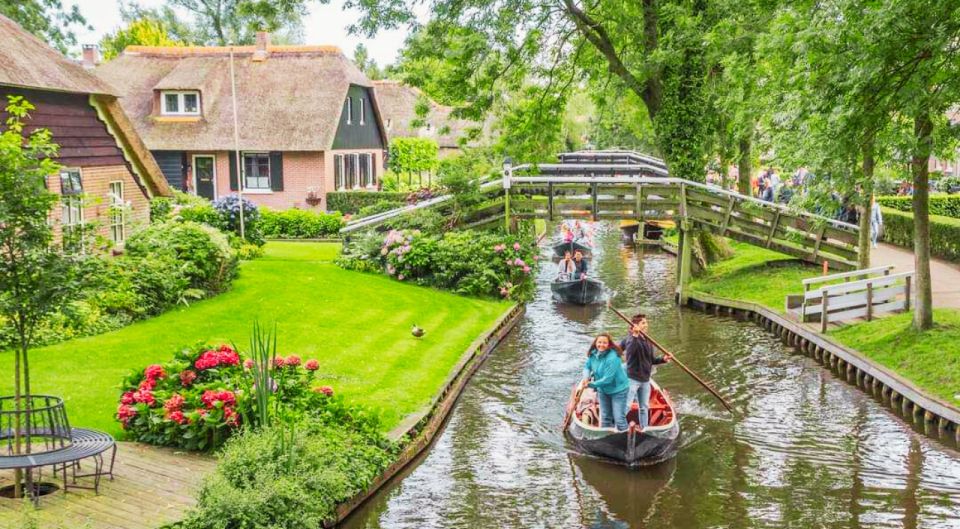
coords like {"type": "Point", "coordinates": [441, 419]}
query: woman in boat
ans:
{"type": "Point", "coordinates": [566, 233]}
{"type": "Point", "coordinates": [640, 358]}
{"type": "Point", "coordinates": [567, 267]}
{"type": "Point", "coordinates": [581, 265]}
{"type": "Point", "coordinates": [604, 373]}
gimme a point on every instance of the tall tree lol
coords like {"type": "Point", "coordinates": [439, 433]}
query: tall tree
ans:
{"type": "Point", "coordinates": [361, 57]}
{"type": "Point", "coordinates": [47, 19]}
{"type": "Point", "coordinates": [142, 32]}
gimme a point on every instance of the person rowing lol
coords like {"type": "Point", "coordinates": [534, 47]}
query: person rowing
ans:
{"type": "Point", "coordinates": [604, 372]}
{"type": "Point", "coordinates": [640, 358]}
{"type": "Point", "coordinates": [567, 267]}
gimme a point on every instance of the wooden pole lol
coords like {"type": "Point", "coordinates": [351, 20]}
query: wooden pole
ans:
{"type": "Point", "coordinates": [676, 360]}
{"type": "Point", "coordinates": [571, 406]}
{"type": "Point", "coordinates": [685, 244]}
{"type": "Point", "coordinates": [824, 296]}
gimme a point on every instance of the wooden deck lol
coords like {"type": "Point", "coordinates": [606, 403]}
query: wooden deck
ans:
{"type": "Point", "coordinates": [152, 486]}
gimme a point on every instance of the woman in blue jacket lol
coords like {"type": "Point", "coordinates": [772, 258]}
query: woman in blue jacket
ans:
{"type": "Point", "coordinates": [604, 372]}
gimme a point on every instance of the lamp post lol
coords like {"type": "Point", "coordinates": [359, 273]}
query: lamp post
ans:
{"type": "Point", "coordinates": [507, 175]}
{"type": "Point", "coordinates": [236, 142]}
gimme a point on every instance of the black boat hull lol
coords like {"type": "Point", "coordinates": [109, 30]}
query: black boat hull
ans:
{"type": "Point", "coordinates": [646, 448]}
{"type": "Point", "coordinates": [578, 292]}
{"type": "Point", "coordinates": [560, 248]}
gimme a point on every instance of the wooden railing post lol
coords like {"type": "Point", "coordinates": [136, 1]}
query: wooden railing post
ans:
{"type": "Point", "coordinates": [685, 252]}
{"type": "Point", "coordinates": [870, 301]}
{"type": "Point", "coordinates": [906, 305]}
{"type": "Point", "coordinates": [824, 315]}
{"type": "Point", "coordinates": [550, 201]}
{"type": "Point", "coordinates": [593, 190]}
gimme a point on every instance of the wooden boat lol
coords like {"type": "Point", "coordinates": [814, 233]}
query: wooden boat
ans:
{"type": "Point", "coordinates": [656, 443]}
{"type": "Point", "coordinates": [572, 246]}
{"type": "Point", "coordinates": [579, 292]}
{"type": "Point", "coordinates": [629, 229]}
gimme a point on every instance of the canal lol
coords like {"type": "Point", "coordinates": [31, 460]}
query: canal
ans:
{"type": "Point", "coordinates": [805, 450]}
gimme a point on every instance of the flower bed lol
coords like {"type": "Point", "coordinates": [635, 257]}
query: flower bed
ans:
{"type": "Point", "coordinates": [198, 399]}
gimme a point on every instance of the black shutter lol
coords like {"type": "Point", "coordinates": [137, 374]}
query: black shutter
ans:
{"type": "Point", "coordinates": [276, 171]}
{"type": "Point", "coordinates": [234, 176]}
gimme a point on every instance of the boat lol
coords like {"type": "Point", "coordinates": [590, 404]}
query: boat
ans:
{"type": "Point", "coordinates": [572, 246]}
{"type": "Point", "coordinates": [577, 291]}
{"type": "Point", "coordinates": [656, 443]}
{"type": "Point", "coordinates": [628, 230]}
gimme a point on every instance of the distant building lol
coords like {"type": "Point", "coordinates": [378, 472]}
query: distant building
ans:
{"type": "Point", "coordinates": [398, 102]}
{"type": "Point", "coordinates": [309, 121]}
{"type": "Point", "coordinates": [108, 175]}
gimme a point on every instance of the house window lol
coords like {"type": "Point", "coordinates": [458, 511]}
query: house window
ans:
{"type": "Point", "coordinates": [256, 170]}
{"type": "Point", "coordinates": [71, 202]}
{"type": "Point", "coordinates": [117, 213]}
{"type": "Point", "coordinates": [338, 171]}
{"type": "Point", "coordinates": [349, 110]}
{"type": "Point", "coordinates": [350, 171]}
{"type": "Point", "coordinates": [180, 103]}
{"type": "Point", "coordinates": [361, 111]}
{"type": "Point", "coordinates": [367, 170]}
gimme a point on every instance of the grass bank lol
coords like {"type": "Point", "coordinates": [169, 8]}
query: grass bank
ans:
{"type": "Point", "coordinates": [357, 325]}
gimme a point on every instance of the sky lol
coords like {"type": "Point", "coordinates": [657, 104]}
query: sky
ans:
{"type": "Point", "coordinates": [325, 24]}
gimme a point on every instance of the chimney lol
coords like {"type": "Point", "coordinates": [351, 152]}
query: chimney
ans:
{"type": "Point", "coordinates": [91, 55]}
{"type": "Point", "coordinates": [260, 52]}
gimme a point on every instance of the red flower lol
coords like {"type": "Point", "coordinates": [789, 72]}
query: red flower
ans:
{"type": "Point", "coordinates": [127, 398]}
{"type": "Point", "coordinates": [292, 360]}
{"type": "Point", "coordinates": [187, 377]}
{"type": "Point", "coordinates": [278, 361]}
{"type": "Point", "coordinates": [148, 384]}
{"type": "Point", "coordinates": [213, 358]}
{"type": "Point", "coordinates": [248, 364]}
{"type": "Point", "coordinates": [230, 416]}
{"type": "Point", "coordinates": [144, 396]}
{"type": "Point", "coordinates": [210, 398]}
{"type": "Point", "coordinates": [174, 403]}
{"type": "Point", "coordinates": [178, 417]}
{"type": "Point", "coordinates": [326, 390]}
{"type": "Point", "coordinates": [312, 365]}
{"type": "Point", "coordinates": [125, 413]}
{"type": "Point", "coordinates": [153, 372]}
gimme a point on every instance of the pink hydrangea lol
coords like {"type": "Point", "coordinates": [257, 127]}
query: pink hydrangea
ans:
{"type": "Point", "coordinates": [519, 262]}
{"type": "Point", "coordinates": [499, 248]}
{"type": "Point", "coordinates": [144, 396]}
{"type": "Point", "coordinates": [127, 398]}
{"type": "Point", "coordinates": [326, 390]}
{"type": "Point", "coordinates": [278, 361]}
{"type": "Point", "coordinates": [178, 417]}
{"type": "Point", "coordinates": [174, 403]}
{"type": "Point", "coordinates": [292, 360]}
{"type": "Point", "coordinates": [312, 365]}
{"type": "Point", "coordinates": [248, 364]}
{"type": "Point", "coordinates": [153, 372]}
{"type": "Point", "coordinates": [125, 413]}
{"type": "Point", "coordinates": [526, 269]}
{"type": "Point", "coordinates": [516, 246]}
{"type": "Point", "coordinates": [187, 377]}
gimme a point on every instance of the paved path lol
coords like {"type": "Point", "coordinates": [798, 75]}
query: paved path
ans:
{"type": "Point", "coordinates": [153, 486]}
{"type": "Point", "coordinates": [946, 275]}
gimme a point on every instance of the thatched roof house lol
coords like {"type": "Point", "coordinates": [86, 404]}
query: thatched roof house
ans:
{"type": "Point", "coordinates": [100, 152]}
{"type": "Point", "coordinates": [308, 119]}
{"type": "Point", "coordinates": [398, 104]}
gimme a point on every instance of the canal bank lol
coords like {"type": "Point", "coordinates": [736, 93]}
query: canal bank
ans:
{"type": "Point", "coordinates": [804, 449]}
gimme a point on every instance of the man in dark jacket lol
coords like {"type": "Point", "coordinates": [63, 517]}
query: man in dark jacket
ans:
{"type": "Point", "coordinates": [640, 358]}
{"type": "Point", "coordinates": [581, 265]}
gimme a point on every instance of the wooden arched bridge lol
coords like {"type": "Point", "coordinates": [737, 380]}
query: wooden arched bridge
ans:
{"type": "Point", "coordinates": [617, 185]}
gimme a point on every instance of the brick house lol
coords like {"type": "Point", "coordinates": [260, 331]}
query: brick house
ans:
{"type": "Point", "coordinates": [398, 105]}
{"type": "Point", "coordinates": [108, 176]}
{"type": "Point", "coordinates": [308, 119]}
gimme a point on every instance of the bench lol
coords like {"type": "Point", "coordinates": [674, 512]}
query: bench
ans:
{"type": "Point", "coordinates": [807, 306]}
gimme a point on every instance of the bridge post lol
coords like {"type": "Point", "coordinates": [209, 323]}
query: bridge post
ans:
{"type": "Point", "coordinates": [684, 264]}
{"type": "Point", "coordinates": [507, 175]}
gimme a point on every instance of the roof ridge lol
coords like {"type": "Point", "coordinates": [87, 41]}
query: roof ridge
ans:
{"type": "Point", "coordinates": [184, 51]}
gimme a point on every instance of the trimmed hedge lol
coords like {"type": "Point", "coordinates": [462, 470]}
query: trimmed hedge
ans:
{"type": "Point", "coordinates": [944, 233]}
{"type": "Point", "coordinates": [350, 202]}
{"type": "Point", "coordinates": [944, 205]}
{"type": "Point", "coordinates": [299, 224]}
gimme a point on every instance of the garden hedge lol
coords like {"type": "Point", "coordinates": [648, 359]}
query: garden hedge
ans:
{"type": "Point", "coordinates": [945, 205]}
{"type": "Point", "coordinates": [944, 233]}
{"type": "Point", "coordinates": [299, 224]}
{"type": "Point", "coordinates": [350, 202]}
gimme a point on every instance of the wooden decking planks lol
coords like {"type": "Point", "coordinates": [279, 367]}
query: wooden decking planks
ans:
{"type": "Point", "coordinates": [152, 486]}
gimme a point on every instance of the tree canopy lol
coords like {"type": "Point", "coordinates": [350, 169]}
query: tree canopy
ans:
{"type": "Point", "coordinates": [47, 19]}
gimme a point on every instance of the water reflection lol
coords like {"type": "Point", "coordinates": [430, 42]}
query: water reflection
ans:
{"type": "Point", "coordinates": [805, 450]}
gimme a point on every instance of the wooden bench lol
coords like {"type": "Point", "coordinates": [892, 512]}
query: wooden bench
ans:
{"type": "Point", "coordinates": [807, 307]}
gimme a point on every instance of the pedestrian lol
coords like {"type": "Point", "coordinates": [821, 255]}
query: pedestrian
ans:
{"type": "Point", "coordinates": [876, 221]}
{"type": "Point", "coordinates": [604, 373]}
{"type": "Point", "coordinates": [640, 359]}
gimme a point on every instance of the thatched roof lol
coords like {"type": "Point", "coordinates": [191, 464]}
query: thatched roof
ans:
{"type": "Point", "coordinates": [28, 62]}
{"type": "Point", "coordinates": [288, 99]}
{"type": "Point", "coordinates": [398, 103]}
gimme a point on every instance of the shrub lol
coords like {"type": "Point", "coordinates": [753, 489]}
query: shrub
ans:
{"type": "Point", "coordinates": [161, 209]}
{"type": "Point", "coordinates": [944, 233]}
{"type": "Point", "coordinates": [943, 205]}
{"type": "Point", "coordinates": [228, 208]}
{"type": "Point", "coordinates": [379, 207]}
{"type": "Point", "coordinates": [202, 396]}
{"type": "Point", "coordinates": [350, 202]}
{"type": "Point", "coordinates": [299, 224]}
{"type": "Point", "coordinates": [202, 213]}
{"type": "Point", "coordinates": [413, 155]}
{"type": "Point", "coordinates": [203, 252]}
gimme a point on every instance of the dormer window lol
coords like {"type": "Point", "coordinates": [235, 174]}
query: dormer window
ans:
{"type": "Point", "coordinates": [349, 110]}
{"type": "Point", "coordinates": [361, 111]}
{"type": "Point", "coordinates": [180, 103]}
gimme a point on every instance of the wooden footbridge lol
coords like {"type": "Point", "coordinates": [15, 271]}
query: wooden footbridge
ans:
{"type": "Point", "coordinates": [618, 185]}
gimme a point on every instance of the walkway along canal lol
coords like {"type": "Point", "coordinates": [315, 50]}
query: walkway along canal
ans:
{"type": "Point", "coordinates": [805, 450]}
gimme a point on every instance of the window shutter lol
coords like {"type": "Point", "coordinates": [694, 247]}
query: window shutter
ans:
{"type": "Point", "coordinates": [234, 176]}
{"type": "Point", "coordinates": [276, 171]}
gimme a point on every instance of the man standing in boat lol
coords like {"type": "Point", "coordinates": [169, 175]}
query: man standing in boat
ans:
{"type": "Point", "coordinates": [640, 359]}
{"type": "Point", "coordinates": [581, 264]}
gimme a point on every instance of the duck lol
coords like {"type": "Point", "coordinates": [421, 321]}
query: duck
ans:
{"type": "Point", "coordinates": [417, 331]}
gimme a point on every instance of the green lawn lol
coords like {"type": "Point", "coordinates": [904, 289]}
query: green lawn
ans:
{"type": "Point", "coordinates": [748, 276]}
{"type": "Point", "coordinates": [929, 359]}
{"type": "Point", "coordinates": [357, 325]}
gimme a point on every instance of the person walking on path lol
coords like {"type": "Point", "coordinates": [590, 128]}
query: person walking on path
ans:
{"type": "Point", "coordinates": [604, 373]}
{"type": "Point", "coordinates": [876, 221]}
{"type": "Point", "coordinates": [640, 359]}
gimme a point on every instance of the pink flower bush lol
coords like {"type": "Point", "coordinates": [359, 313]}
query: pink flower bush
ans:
{"type": "Point", "coordinates": [292, 360]}
{"type": "Point", "coordinates": [187, 377]}
{"type": "Point", "coordinates": [311, 365]}
{"type": "Point", "coordinates": [224, 356]}
{"type": "Point", "coordinates": [326, 390]}
{"type": "Point", "coordinates": [278, 361]}
{"type": "Point", "coordinates": [153, 372]}
{"type": "Point", "coordinates": [516, 246]}
{"type": "Point", "coordinates": [124, 413]}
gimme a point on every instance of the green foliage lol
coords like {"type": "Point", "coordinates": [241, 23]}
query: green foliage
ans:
{"type": "Point", "coordinates": [944, 233]}
{"type": "Point", "coordinates": [140, 32]}
{"type": "Point", "coordinates": [46, 19]}
{"type": "Point", "coordinates": [377, 207]}
{"type": "Point", "coordinates": [413, 155]}
{"type": "Point", "coordinates": [160, 209]}
{"type": "Point", "coordinates": [943, 205]}
{"type": "Point", "coordinates": [350, 202]}
{"type": "Point", "coordinates": [204, 253]}
{"type": "Point", "coordinates": [299, 224]}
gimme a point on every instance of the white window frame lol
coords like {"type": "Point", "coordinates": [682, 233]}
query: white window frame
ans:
{"type": "Point", "coordinates": [164, 111]}
{"type": "Point", "coordinates": [339, 172]}
{"type": "Point", "coordinates": [349, 110]}
{"type": "Point", "coordinates": [117, 213]}
{"type": "Point", "coordinates": [257, 190]}
{"type": "Point", "coordinates": [194, 172]}
{"type": "Point", "coordinates": [357, 184]}
{"type": "Point", "coordinates": [70, 204]}
{"type": "Point", "coordinates": [362, 121]}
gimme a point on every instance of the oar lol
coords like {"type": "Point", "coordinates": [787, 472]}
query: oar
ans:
{"type": "Point", "coordinates": [571, 407]}
{"type": "Point", "coordinates": [675, 359]}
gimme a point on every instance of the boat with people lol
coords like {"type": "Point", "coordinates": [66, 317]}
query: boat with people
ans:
{"type": "Point", "coordinates": [562, 247]}
{"type": "Point", "coordinates": [651, 445]}
{"type": "Point", "coordinates": [578, 291]}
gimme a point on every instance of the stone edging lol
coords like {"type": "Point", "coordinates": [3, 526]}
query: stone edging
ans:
{"type": "Point", "coordinates": [422, 427]}
{"type": "Point", "coordinates": [937, 417]}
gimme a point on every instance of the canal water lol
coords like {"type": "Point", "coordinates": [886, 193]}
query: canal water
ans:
{"type": "Point", "coordinates": [806, 449]}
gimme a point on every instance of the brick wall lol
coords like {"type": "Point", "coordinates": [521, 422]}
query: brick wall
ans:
{"type": "Point", "coordinates": [96, 199]}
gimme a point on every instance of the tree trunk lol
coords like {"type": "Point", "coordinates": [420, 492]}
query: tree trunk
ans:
{"type": "Point", "coordinates": [744, 166]}
{"type": "Point", "coordinates": [863, 257]}
{"type": "Point", "coordinates": [923, 309]}
{"type": "Point", "coordinates": [17, 474]}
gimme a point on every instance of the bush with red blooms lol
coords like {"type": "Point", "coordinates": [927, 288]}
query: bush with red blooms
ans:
{"type": "Point", "coordinates": [198, 399]}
